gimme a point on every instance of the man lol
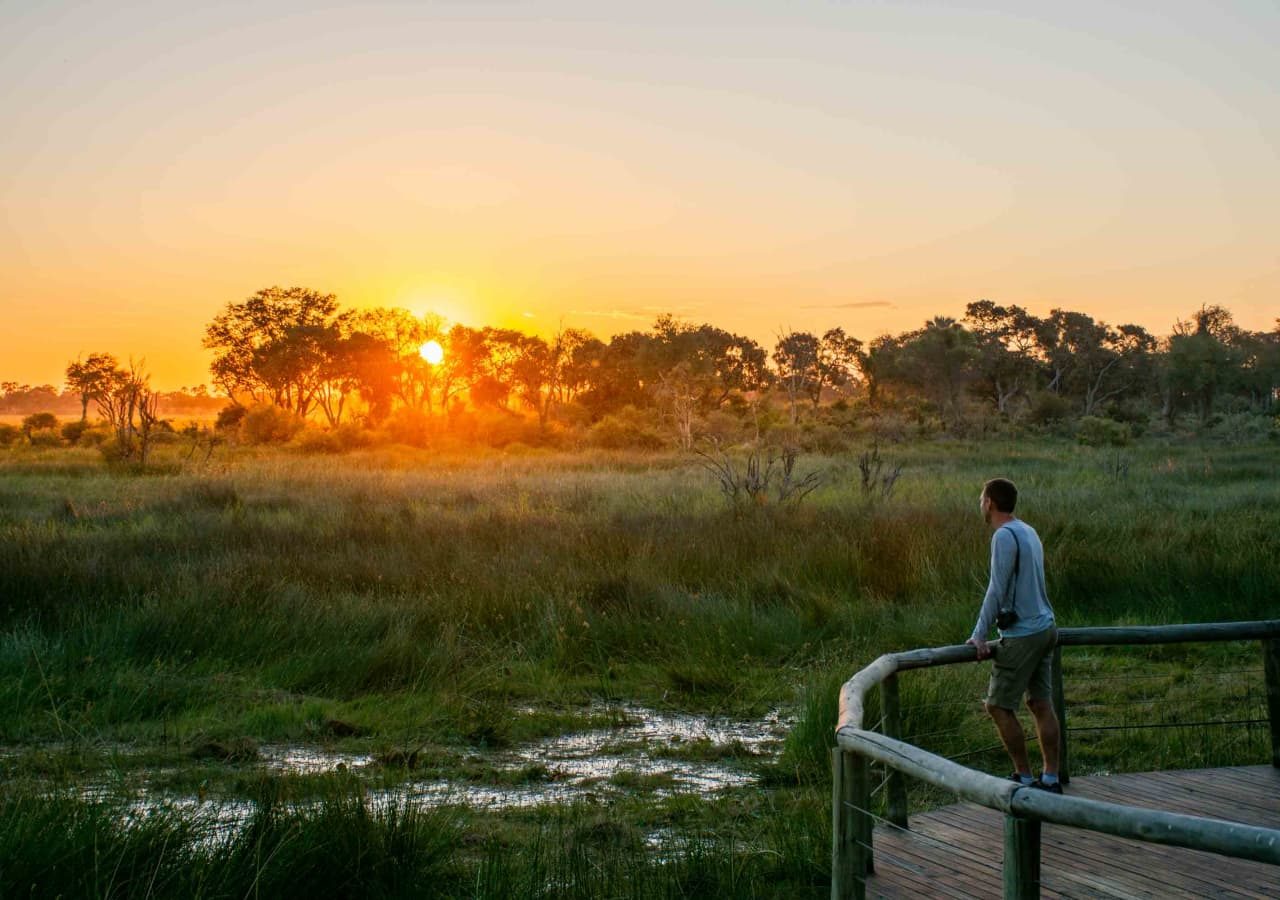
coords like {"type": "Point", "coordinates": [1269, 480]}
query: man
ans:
{"type": "Point", "coordinates": [1024, 660]}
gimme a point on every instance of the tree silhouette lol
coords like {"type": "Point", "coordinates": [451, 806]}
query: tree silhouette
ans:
{"type": "Point", "coordinates": [92, 377]}
{"type": "Point", "coordinates": [273, 346]}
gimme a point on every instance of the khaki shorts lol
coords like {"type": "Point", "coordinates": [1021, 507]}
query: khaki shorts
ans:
{"type": "Point", "coordinates": [1023, 665]}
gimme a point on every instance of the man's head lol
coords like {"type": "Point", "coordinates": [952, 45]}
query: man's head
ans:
{"type": "Point", "coordinates": [998, 496]}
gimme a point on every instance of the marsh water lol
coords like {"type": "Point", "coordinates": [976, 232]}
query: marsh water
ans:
{"type": "Point", "coordinates": [662, 753]}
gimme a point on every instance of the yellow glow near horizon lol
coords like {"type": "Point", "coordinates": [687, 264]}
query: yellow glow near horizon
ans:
{"type": "Point", "coordinates": [432, 352]}
{"type": "Point", "coordinates": [758, 167]}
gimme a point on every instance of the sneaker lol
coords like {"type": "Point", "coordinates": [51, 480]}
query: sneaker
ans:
{"type": "Point", "coordinates": [1055, 788]}
{"type": "Point", "coordinates": [1018, 779]}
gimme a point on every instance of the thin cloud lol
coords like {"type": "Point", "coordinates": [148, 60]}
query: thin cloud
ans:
{"type": "Point", "coordinates": [861, 304]}
{"type": "Point", "coordinates": [674, 310]}
{"type": "Point", "coordinates": [607, 313]}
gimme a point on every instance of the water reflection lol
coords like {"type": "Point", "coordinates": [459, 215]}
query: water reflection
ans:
{"type": "Point", "coordinates": [644, 750]}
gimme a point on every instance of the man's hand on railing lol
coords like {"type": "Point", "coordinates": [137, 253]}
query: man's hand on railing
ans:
{"type": "Point", "coordinates": [983, 648]}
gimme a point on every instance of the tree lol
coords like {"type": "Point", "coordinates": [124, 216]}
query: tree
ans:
{"type": "Point", "coordinates": [546, 373]}
{"type": "Point", "coordinates": [339, 375]}
{"type": "Point", "coordinates": [273, 346]}
{"type": "Point", "coordinates": [495, 378]}
{"type": "Point", "coordinates": [796, 358]}
{"type": "Point", "coordinates": [636, 368]}
{"type": "Point", "coordinates": [572, 352]}
{"type": "Point", "coordinates": [714, 363]}
{"type": "Point", "coordinates": [295, 368]}
{"type": "Point", "coordinates": [677, 392]}
{"type": "Point", "coordinates": [614, 374]}
{"type": "Point", "coordinates": [1006, 339]}
{"type": "Point", "coordinates": [1053, 352]}
{"type": "Point", "coordinates": [584, 358]}
{"type": "Point", "coordinates": [1104, 362]}
{"type": "Point", "coordinates": [401, 336]}
{"type": "Point", "coordinates": [1260, 367]}
{"type": "Point", "coordinates": [374, 369]}
{"type": "Point", "coordinates": [20, 399]}
{"type": "Point", "coordinates": [878, 364]}
{"type": "Point", "coordinates": [91, 378]}
{"type": "Point", "coordinates": [131, 408]}
{"type": "Point", "coordinates": [938, 361]}
{"type": "Point", "coordinates": [837, 362]}
{"type": "Point", "coordinates": [464, 357]}
{"type": "Point", "coordinates": [1203, 357]}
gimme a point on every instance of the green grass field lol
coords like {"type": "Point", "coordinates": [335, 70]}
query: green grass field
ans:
{"type": "Point", "coordinates": [160, 632]}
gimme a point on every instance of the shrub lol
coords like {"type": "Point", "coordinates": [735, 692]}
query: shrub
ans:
{"type": "Point", "coordinates": [316, 440]}
{"type": "Point", "coordinates": [890, 427]}
{"type": "Point", "coordinates": [819, 438]}
{"type": "Point", "coordinates": [409, 426]}
{"type": "Point", "coordinates": [571, 414]}
{"type": "Point", "coordinates": [877, 475]}
{"type": "Point", "coordinates": [1047, 407]}
{"type": "Point", "coordinates": [46, 437]}
{"type": "Point", "coordinates": [765, 473]}
{"type": "Point", "coordinates": [1244, 428]}
{"type": "Point", "coordinates": [628, 428]}
{"type": "Point", "coordinates": [498, 429]}
{"type": "Point", "coordinates": [268, 424]}
{"type": "Point", "coordinates": [340, 439]}
{"type": "Point", "coordinates": [71, 431]}
{"type": "Point", "coordinates": [1096, 432]}
{"type": "Point", "coordinates": [1131, 414]}
{"type": "Point", "coordinates": [229, 417]}
{"type": "Point", "coordinates": [94, 436]}
{"type": "Point", "coordinates": [723, 426]}
{"type": "Point", "coordinates": [39, 422]}
{"type": "Point", "coordinates": [9, 434]}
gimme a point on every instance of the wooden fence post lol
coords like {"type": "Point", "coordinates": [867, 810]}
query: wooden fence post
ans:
{"type": "Point", "coordinates": [1021, 858]}
{"type": "Point", "coordinates": [841, 863]}
{"type": "Point", "coordinates": [858, 773]}
{"type": "Point", "coordinates": [1060, 707]}
{"type": "Point", "coordinates": [843, 829]}
{"type": "Point", "coordinates": [1271, 667]}
{"type": "Point", "coordinates": [897, 782]}
{"type": "Point", "coordinates": [851, 826]}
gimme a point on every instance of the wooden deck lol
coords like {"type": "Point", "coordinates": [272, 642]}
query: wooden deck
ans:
{"type": "Point", "coordinates": [956, 851]}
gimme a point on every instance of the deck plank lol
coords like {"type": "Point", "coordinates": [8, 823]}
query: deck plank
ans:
{"type": "Point", "coordinates": [956, 851]}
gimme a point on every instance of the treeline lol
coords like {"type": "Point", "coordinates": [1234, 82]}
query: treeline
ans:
{"type": "Point", "coordinates": [295, 349]}
{"type": "Point", "coordinates": [289, 358]}
{"type": "Point", "coordinates": [25, 399]}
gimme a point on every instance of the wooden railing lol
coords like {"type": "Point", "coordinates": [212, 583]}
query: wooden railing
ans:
{"type": "Point", "coordinates": [1024, 808]}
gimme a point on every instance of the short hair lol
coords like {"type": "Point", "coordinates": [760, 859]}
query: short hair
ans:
{"type": "Point", "coordinates": [1002, 493]}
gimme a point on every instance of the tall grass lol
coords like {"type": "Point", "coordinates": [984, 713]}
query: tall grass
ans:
{"type": "Point", "coordinates": [419, 599]}
{"type": "Point", "coordinates": [343, 846]}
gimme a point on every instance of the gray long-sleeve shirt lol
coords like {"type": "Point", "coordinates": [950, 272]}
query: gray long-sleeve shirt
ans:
{"type": "Point", "coordinates": [1031, 597]}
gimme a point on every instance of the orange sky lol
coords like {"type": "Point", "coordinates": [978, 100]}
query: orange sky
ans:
{"type": "Point", "coordinates": [758, 166]}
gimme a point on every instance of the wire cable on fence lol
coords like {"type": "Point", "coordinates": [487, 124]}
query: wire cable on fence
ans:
{"type": "Point", "coordinates": [1142, 726]}
{"type": "Point", "coordinates": [935, 864]}
{"type": "Point", "coordinates": [881, 786]}
{"type": "Point", "coordinates": [928, 734]}
{"type": "Point", "coordinates": [1238, 699]}
{"type": "Point", "coordinates": [979, 750]}
{"type": "Point", "coordinates": [1246, 700]}
{"type": "Point", "coordinates": [1219, 673]}
{"type": "Point", "coordinates": [946, 703]}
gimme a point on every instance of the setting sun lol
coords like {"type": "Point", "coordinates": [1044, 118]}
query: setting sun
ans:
{"type": "Point", "coordinates": [432, 352]}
